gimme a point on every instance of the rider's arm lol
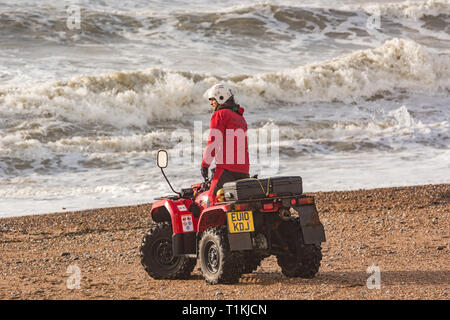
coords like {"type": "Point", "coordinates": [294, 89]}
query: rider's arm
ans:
{"type": "Point", "coordinates": [216, 127]}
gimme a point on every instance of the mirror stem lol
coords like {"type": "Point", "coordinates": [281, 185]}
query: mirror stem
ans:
{"type": "Point", "coordinates": [169, 182]}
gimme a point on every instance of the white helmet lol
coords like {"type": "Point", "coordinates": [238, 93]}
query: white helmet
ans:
{"type": "Point", "coordinates": [220, 92]}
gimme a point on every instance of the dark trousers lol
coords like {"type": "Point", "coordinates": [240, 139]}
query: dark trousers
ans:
{"type": "Point", "coordinates": [220, 177]}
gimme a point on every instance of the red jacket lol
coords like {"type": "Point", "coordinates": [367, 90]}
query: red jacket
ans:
{"type": "Point", "coordinates": [227, 141]}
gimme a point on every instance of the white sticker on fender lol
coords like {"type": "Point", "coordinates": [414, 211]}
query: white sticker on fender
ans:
{"type": "Point", "coordinates": [182, 207]}
{"type": "Point", "coordinates": [186, 220]}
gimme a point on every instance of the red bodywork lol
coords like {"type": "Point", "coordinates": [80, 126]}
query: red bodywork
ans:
{"type": "Point", "coordinates": [183, 220]}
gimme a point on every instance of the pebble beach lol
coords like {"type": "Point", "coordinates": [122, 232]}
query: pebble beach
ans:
{"type": "Point", "coordinates": [402, 231]}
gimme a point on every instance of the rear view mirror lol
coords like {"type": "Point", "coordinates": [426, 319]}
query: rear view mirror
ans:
{"type": "Point", "coordinates": [162, 158]}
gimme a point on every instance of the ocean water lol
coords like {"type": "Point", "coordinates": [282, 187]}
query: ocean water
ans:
{"type": "Point", "coordinates": [348, 95]}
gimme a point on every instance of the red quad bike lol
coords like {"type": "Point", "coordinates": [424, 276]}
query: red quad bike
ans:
{"type": "Point", "coordinates": [254, 219]}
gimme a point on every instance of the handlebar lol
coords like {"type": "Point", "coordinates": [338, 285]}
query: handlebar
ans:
{"type": "Point", "coordinates": [205, 185]}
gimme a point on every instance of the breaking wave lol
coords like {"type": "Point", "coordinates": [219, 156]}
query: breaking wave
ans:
{"type": "Point", "coordinates": [411, 9]}
{"type": "Point", "coordinates": [120, 118]}
{"type": "Point", "coordinates": [260, 21]}
{"type": "Point", "coordinates": [136, 99]}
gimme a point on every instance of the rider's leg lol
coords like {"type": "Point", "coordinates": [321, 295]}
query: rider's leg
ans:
{"type": "Point", "coordinates": [219, 179]}
{"type": "Point", "coordinates": [214, 182]}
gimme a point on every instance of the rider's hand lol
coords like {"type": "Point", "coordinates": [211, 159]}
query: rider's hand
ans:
{"type": "Point", "coordinates": [204, 171]}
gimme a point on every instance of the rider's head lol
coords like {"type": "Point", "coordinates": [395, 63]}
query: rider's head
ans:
{"type": "Point", "coordinates": [218, 94]}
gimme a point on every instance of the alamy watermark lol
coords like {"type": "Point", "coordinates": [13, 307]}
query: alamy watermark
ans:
{"type": "Point", "coordinates": [263, 147]}
{"type": "Point", "coordinates": [74, 280]}
{"type": "Point", "coordinates": [374, 280]}
{"type": "Point", "coordinates": [73, 21]}
{"type": "Point", "coordinates": [374, 20]}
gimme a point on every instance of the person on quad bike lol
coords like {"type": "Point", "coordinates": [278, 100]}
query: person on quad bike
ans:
{"type": "Point", "coordinates": [227, 141]}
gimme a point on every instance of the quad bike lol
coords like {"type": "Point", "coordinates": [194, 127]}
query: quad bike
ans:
{"type": "Point", "coordinates": [230, 237]}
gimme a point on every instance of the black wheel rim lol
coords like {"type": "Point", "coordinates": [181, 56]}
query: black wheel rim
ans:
{"type": "Point", "coordinates": [211, 257]}
{"type": "Point", "coordinates": [163, 254]}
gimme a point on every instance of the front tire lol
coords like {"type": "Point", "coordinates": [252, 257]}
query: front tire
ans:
{"type": "Point", "coordinates": [302, 260]}
{"type": "Point", "coordinates": [157, 255]}
{"type": "Point", "coordinates": [217, 263]}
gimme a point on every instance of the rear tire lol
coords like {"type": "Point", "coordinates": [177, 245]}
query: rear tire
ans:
{"type": "Point", "coordinates": [217, 263]}
{"type": "Point", "coordinates": [302, 260]}
{"type": "Point", "coordinates": [157, 255]}
{"type": "Point", "coordinates": [251, 262]}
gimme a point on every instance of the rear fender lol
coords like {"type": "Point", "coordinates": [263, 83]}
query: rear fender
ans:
{"type": "Point", "coordinates": [213, 216]}
{"type": "Point", "coordinates": [312, 229]}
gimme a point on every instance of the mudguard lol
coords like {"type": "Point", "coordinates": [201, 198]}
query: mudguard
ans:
{"type": "Point", "coordinates": [312, 229]}
{"type": "Point", "coordinates": [177, 212]}
{"type": "Point", "coordinates": [159, 212]}
{"type": "Point", "coordinates": [183, 221]}
{"type": "Point", "coordinates": [213, 216]}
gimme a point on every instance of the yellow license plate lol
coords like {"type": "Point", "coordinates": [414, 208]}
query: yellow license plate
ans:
{"type": "Point", "coordinates": [240, 221]}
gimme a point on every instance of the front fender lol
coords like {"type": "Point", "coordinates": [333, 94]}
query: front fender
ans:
{"type": "Point", "coordinates": [174, 211]}
{"type": "Point", "coordinates": [159, 212]}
